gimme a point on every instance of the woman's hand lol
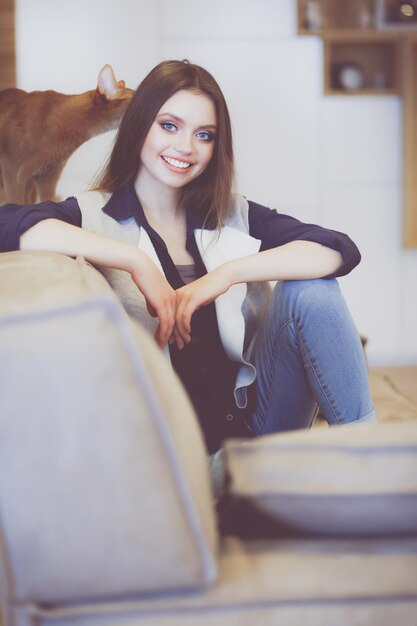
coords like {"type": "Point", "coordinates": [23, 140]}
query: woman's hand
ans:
{"type": "Point", "coordinates": [159, 295]}
{"type": "Point", "coordinates": [296, 260]}
{"type": "Point", "coordinates": [194, 295]}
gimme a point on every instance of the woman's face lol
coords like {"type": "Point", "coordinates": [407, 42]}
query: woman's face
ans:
{"type": "Point", "coordinates": [180, 142]}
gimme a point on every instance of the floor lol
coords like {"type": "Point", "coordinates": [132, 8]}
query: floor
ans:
{"type": "Point", "coordinates": [404, 379]}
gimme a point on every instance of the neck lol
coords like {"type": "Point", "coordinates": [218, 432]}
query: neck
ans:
{"type": "Point", "coordinates": [159, 199]}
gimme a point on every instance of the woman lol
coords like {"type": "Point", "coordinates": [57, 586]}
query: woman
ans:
{"type": "Point", "coordinates": [192, 262]}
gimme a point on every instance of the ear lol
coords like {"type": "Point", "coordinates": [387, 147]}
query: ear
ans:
{"type": "Point", "coordinates": [107, 84]}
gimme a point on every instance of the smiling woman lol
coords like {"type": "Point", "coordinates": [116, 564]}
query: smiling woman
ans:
{"type": "Point", "coordinates": [211, 194]}
{"type": "Point", "coordinates": [192, 261]}
{"type": "Point", "coordinates": [180, 142]}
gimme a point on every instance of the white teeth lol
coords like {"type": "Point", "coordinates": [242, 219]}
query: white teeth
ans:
{"type": "Point", "coordinates": [176, 163]}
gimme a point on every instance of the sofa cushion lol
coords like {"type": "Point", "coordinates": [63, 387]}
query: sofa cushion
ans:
{"type": "Point", "coordinates": [104, 483]}
{"type": "Point", "coordinates": [358, 480]}
{"type": "Point", "coordinates": [279, 582]}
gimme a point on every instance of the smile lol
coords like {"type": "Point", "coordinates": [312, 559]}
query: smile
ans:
{"type": "Point", "coordinates": [181, 164]}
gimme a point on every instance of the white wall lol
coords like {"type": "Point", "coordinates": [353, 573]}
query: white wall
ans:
{"type": "Point", "coordinates": [332, 160]}
{"type": "Point", "coordinates": [63, 45]}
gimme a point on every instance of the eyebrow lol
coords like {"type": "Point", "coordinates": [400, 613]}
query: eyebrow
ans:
{"type": "Point", "coordinates": [181, 121]}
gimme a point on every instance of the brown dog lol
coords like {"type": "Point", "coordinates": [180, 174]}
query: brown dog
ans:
{"type": "Point", "coordinates": [40, 130]}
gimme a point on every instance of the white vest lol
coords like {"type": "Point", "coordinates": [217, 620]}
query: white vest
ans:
{"type": "Point", "coordinates": [239, 310]}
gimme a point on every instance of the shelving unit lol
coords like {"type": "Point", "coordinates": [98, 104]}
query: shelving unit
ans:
{"type": "Point", "coordinates": [370, 48]}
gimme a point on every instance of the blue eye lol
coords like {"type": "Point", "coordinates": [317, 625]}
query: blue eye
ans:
{"type": "Point", "coordinates": [205, 135]}
{"type": "Point", "coordinates": [169, 127]}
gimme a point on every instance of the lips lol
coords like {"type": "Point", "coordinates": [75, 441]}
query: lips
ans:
{"type": "Point", "coordinates": [176, 164]}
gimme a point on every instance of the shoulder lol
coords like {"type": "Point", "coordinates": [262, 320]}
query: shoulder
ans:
{"type": "Point", "coordinates": [239, 213]}
{"type": "Point", "coordinates": [253, 217]}
{"type": "Point", "coordinates": [92, 200]}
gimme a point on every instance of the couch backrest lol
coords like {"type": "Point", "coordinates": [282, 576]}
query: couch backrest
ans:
{"type": "Point", "coordinates": [104, 484]}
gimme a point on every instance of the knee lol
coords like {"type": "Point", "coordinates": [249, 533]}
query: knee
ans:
{"type": "Point", "coordinates": [319, 296]}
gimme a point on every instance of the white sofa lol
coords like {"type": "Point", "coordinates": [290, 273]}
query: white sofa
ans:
{"type": "Point", "coordinates": [107, 511]}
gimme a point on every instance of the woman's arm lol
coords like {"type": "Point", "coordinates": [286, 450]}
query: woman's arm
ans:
{"type": "Point", "coordinates": [296, 260]}
{"type": "Point", "coordinates": [54, 235]}
{"type": "Point", "coordinates": [276, 229]}
{"type": "Point", "coordinates": [290, 250]}
{"type": "Point", "coordinates": [15, 219]}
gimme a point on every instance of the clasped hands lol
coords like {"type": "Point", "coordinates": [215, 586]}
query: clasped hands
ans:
{"type": "Point", "coordinates": [175, 308]}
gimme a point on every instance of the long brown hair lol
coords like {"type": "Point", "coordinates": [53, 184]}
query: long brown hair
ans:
{"type": "Point", "coordinates": [210, 194]}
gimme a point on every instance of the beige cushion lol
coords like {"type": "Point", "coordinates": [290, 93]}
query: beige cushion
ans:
{"type": "Point", "coordinates": [104, 484]}
{"type": "Point", "coordinates": [280, 582]}
{"type": "Point", "coordinates": [354, 480]}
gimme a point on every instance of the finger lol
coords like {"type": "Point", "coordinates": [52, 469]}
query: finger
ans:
{"type": "Point", "coordinates": [170, 325]}
{"type": "Point", "coordinates": [166, 324]}
{"type": "Point", "coordinates": [176, 338]}
{"type": "Point", "coordinates": [183, 319]}
{"type": "Point", "coordinates": [162, 335]}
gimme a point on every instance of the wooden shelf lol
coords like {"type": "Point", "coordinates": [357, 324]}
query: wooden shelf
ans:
{"type": "Point", "coordinates": [7, 45]}
{"type": "Point", "coordinates": [376, 60]}
{"type": "Point", "coordinates": [359, 92]}
{"type": "Point", "coordinates": [375, 43]}
{"type": "Point", "coordinates": [315, 17]}
{"type": "Point", "coordinates": [324, 15]}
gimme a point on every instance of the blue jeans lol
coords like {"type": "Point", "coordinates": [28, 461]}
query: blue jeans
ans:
{"type": "Point", "coordinates": [308, 353]}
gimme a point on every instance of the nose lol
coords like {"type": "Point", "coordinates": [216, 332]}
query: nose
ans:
{"type": "Point", "coordinates": [183, 143]}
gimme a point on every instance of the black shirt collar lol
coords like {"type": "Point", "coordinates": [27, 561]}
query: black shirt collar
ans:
{"type": "Point", "coordinates": [124, 203]}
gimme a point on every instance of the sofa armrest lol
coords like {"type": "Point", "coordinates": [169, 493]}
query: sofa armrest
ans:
{"type": "Point", "coordinates": [104, 482]}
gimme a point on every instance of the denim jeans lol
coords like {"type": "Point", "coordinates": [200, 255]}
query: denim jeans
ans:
{"type": "Point", "coordinates": [308, 353]}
